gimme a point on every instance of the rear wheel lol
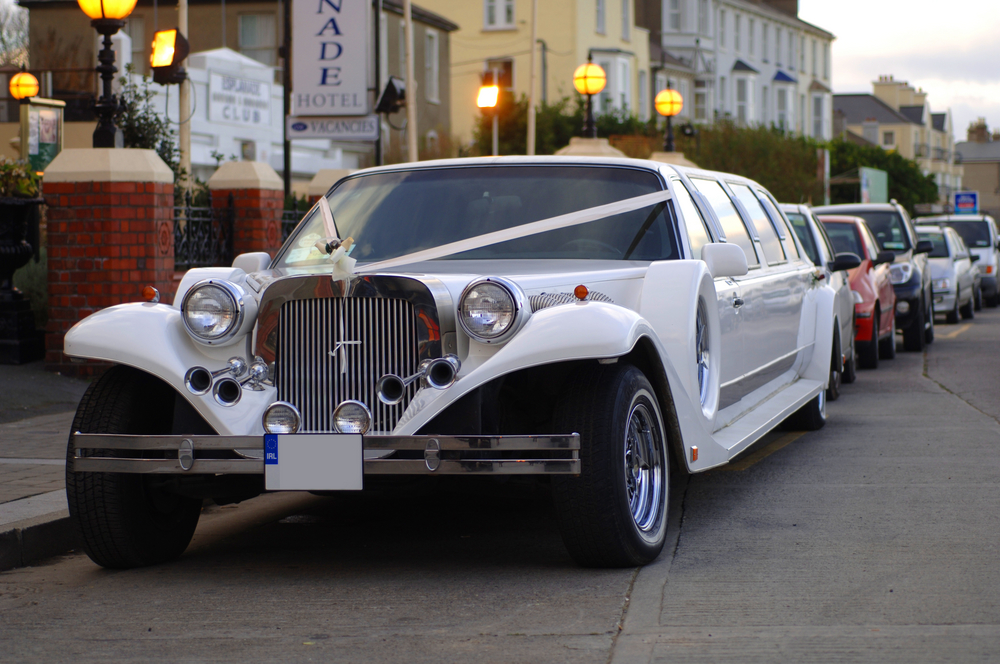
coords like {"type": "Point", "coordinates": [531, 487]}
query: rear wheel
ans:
{"type": "Point", "coordinates": [127, 520]}
{"type": "Point", "coordinates": [914, 337]}
{"type": "Point", "coordinates": [836, 369]}
{"type": "Point", "coordinates": [952, 316]}
{"type": "Point", "coordinates": [993, 301]}
{"type": "Point", "coordinates": [811, 417]}
{"type": "Point", "coordinates": [614, 514]}
{"type": "Point", "coordinates": [851, 366]}
{"type": "Point", "coordinates": [978, 298]}
{"type": "Point", "coordinates": [968, 311]}
{"type": "Point", "coordinates": [887, 346]}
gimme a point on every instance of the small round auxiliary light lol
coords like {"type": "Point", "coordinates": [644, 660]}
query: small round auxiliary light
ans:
{"type": "Point", "coordinates": [902, 307]}
{"type": "Point", "coordinates": [150, 294]}
{"type": "Point", "coordinates": [581, 292]}
{"type": "Point", "coordinates": [352, 417]}
{"type": "Point", "coordinates": [281, 417]}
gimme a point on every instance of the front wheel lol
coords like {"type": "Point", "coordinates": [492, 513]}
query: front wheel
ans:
{"type": "Point", "coordinates": [968, 310]}
{"type": "Point", "coordinates": [614, 514]}
{"type": "Point", "coordinates": [914, 338]}
{"type": "Point", "coordinates": [978, 298]}
{"type": "Point", "coordinates": [127, 520]}
{"type": "Point", "coordinates": [811, 417]}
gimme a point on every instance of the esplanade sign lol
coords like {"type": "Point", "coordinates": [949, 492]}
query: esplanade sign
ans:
{"type": "Point", "coordinates": [330, 57]}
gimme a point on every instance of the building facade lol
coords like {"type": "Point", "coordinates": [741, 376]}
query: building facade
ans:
{"type": "Point", "coordinates": [980, 157]}
{"type": "Point", "coordinates": [898, 117]}
{"type": "Point", "coordinates": [753, 62]}
{"type": "Point", "coordinates": [495, 35]}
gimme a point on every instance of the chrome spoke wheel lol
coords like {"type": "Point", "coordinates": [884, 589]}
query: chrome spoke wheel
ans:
{"type": "Point", "coordinates": [644, 468]}
{"type": "Point", "coordinates": [702, 354]}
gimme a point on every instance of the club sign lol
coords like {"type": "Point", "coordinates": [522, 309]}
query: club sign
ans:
{"type": "Point", "coordinates": [330, 57]}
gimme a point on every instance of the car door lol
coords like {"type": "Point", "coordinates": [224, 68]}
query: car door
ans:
{"type": "Point", "coordinates": [840, 282]}
{"type": "Point", "coordinates": [964, 276]}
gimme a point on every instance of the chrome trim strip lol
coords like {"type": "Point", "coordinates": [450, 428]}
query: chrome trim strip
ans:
{"type": "Point", "coordinates": [764, 367]}
{"type": "Point", "coordinates": [371, 467]}
{"type": "Point", "coordinates": [168, 466]}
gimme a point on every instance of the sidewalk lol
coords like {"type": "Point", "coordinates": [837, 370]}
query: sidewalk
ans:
{"type": "Point", "coordinates": [36, 412]}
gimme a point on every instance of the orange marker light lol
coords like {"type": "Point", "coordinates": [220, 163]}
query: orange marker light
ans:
{"type": "Point", "coordinates": [150, 294]}
{"type": "Point", "coordinates": [581, 292]}
{"type": "Point", "coordinates": [694, 453]}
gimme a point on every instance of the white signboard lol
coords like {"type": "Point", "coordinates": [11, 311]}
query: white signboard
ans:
{"type": "Point", "coordinates": [238, 101]}
{"type": "Point", "coordinates": [330, 57]}
{"type": "Point", "coordinates": [339, 129]}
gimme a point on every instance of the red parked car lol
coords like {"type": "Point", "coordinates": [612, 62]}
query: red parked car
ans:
{"type": "Point", "coordinates": [871, 282]}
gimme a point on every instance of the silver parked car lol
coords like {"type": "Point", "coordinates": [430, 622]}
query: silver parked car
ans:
{"type": "Point", "coordinates": [979, 232]}
{"type": "Point", "coordinates": [953, 274]}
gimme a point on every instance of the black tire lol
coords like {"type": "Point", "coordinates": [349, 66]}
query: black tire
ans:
{"type": "Point", "coordinates": [914, 338]}
{"type": "Point", "coordinates": [993, 301]}
{"type": "Point", "coordinates": [887, 346]}
{"type": "Point", "coordinates": [977, 298]}
{"type": "Point", "coordinates": [124, 520]}
{"type": "Point", "coordinates": [952, 316]}
{"type": "Point", "coordinates": [929, 328]}
{"type": "Point", "coordinates": [599, 511]}
{"type": "Point", "coordinates": [870, 349]}
{"type": "Point", "coordinates": [969, 310]}
{"type": "Point", "coordinates": [836, 369]}
{"type": "Point", "coordinates": [811, 417]}
{"type": "Point", "coordinates": [851, 366]}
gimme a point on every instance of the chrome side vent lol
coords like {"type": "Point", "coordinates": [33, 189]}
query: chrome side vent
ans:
{"type": "Point", "coordinates": [546, 300]}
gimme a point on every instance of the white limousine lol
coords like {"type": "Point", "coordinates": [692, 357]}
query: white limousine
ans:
{"type": "Point", "coordinates": [595, 323]}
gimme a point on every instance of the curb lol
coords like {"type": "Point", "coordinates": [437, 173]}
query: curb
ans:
{"type": "Point", "coordinates": [41, 534]}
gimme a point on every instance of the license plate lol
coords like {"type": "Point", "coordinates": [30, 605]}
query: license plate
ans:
{"type": "Point", "coordinates": [313, 462]}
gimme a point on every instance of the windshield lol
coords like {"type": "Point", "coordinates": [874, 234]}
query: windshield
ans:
{"type": "Point", "coordinates": [974, 233]}
{"type": "Point", "coordinates": [801, 227]}
{"type": "Point", "coordinates": [888, 229]}
{"type": "Point", "coordinates": [396, 213]}
{"type": "Point", "coordinates": [844, 238]}
{"type": "Point", "coordinates": [940, 246]}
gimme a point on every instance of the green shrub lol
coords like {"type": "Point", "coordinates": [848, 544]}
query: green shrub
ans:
{"type": "Point", "coordinates": [32, 280]}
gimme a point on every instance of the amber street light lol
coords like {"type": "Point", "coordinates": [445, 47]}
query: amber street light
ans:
{"type": "Point", "coordinates": [589, 79]}
{"type": "Point", "coordinates": [23, 86]}
{"type": "Point", "coordinates": [489, 94]}
{"type": "Point", "coordinates": [668, 104]}
{"type": "Point", "coordinates": [107, 17]}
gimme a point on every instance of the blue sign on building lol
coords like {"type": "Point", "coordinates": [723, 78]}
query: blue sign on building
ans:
{"type": "Point", "coordinates": [966, 202]}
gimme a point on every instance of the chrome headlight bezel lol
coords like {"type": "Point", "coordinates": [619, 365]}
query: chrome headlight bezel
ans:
{"type": "Point", "coordinates": [517, 298]}
{"type": "Point", "coordinates": [900, 273]}
{"type": "Point", "coordinates": [237, 298]}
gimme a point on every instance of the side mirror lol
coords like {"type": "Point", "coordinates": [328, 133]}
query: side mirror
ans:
{"type": "Point", "coordinates": [724, 259]}
{"type": "Point", "coordinates": [924, 247]}
{"type": "Point", "coordinates": [974, 257]}
{"type": "Point", "coordinates": [845, 261]}
{"type": "Point", "coordinates": [252, 262]}
{"type": "Point", "coordinates": [884, 257]}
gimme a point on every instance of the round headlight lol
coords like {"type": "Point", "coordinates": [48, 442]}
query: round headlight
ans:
{"type": "Point", "coordinates": [352, 417]}
{"type": "Point", "coordinates": [213, 311]}
{"type": "Point", "coordinates": [489, 310]}
{"type": "Point", "coordinates": [281, 417]}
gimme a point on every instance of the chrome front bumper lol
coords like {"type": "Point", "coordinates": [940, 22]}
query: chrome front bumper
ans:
{"type": "Point", "coordinates": [426, 455]}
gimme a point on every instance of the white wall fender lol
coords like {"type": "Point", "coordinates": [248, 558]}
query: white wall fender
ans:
{"type": "Point", "coordinates": [585, 330]}
{"type": "Point", "coordinates": [151, 337]}
{"type": "Point", "coordinates": [816, 329]}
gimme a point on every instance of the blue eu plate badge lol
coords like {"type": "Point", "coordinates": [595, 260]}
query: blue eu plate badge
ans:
{"type": "Point", "coordinates": [313, 462]}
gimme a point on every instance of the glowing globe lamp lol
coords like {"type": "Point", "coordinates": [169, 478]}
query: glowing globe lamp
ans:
{"type": "Point", "coordinates": [589, 79]}
{"type": "Point", "coordinates": [113, 9]}
{"type": "Point", "coordinates": [23, 85]}
{"type": "Point", "coordinates": [669, 102]}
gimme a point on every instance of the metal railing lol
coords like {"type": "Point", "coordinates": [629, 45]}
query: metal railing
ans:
{"type": "Point", "coordinates": [291, 218]}
{"type": "Point", "coordinates": [203, 236]}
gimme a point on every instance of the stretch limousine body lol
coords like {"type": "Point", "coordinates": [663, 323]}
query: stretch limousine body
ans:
{"type": "Point", "coordinates": [596, 323]}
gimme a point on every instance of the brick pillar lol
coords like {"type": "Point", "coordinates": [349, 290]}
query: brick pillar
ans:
{"type": "Point", "coordinates": [110, 234]}
{"type": "Point", "coordinates": [258, 194]}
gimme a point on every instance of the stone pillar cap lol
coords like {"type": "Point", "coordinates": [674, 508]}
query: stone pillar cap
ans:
{"type": "Point", "coordinates": [108, 165]}
{"type": "Point", "coordinates": [590, 147]}
{"type": "Point", "coordinates": [675, 158]}
{"type": "Point", "coordinates": [245, 175]}
{"type": "Point", "coordinates": [326, 178]}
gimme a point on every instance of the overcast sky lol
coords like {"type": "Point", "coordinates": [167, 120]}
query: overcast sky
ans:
{"type": "Point", "coordinates": [950, 49]}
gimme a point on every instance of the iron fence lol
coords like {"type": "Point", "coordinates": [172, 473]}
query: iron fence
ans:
{"type": "Point", "coordinates": [291, 218]}
{"type": "Point", "coordinates": [203, 236]}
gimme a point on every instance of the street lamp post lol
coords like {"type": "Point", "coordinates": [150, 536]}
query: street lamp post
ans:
{"type": "Point", "coordinates": [589, 79]}
{"type": "Point", "coordinates": [668, 104]}
{"type": "Point", "coordinates": [107, 17]}
{"type": "Point", "coordinates": [489, 94]}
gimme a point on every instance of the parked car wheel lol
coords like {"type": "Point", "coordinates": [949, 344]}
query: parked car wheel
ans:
{"type": "Point", "coordinates": [978, 298]}
{"type": "Point", "coordinates": [914, 337]}
{"type": "Point", "coordinates": [929, 325]}
{"type": "Point", "coordinates": [887, 346]}
{"type": "Point", "coordinates": [993, 302]}
{"type": "Point", "coordinates": [127, 520]}
{"type": "Point", "coordinates": [851, 366]}
{"type": "Point", "coordinates": [811, 417]}
{"type": "Point", "coordinates": [836, 369]}
{"type": "Point", "coordinates": [615, 513]}
{"type": "Point", "coordinates": [968, 310]}
{"type": "Point", "coordinates": [870, 350]}
{"type": "Point", "coordinates": [952, 316]}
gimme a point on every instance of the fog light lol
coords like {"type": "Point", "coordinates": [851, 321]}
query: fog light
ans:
{"type": "Point", "coordinates": [352, 417]}
{"type": "Point", "coordinates": [281, 417]}
{"type": "Point", "coordinates": [902, 307]}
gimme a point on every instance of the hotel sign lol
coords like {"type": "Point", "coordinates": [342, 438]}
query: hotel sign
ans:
{"type": "Point", "coordinates": [330, 57]}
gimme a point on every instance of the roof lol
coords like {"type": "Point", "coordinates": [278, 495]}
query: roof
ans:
{"type": "Point", "coordinates": [782, 77]}
{"type": "Point", "coordinates": [914, 113]}
{"type": "Point", "coordinates": [756, 7]}
{"type": "Point", "coordinates": [858, 108]}
{"type": "Point", "coordinates": [816, 86]}
{"type": "Point", "coordinates": [939, 120]}
{"type": "Point", "coordinates": [972, 152]}
{"type": "Point", "coordinates": [742, 66]}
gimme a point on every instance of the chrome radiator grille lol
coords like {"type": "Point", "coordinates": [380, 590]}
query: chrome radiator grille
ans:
{"type": "Point", "coordinates": [333, 349]}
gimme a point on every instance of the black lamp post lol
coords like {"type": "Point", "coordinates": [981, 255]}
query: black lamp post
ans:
{"type": "Point", "coordinates": [107, 17]}
{"type": "Point", "coordinates": [589, 79]}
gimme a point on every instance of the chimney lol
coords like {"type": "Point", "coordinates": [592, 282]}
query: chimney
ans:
{"type": "Point", "coordinates": [790, 7]}
{"type": "Point", "coordinates": [978, 132]}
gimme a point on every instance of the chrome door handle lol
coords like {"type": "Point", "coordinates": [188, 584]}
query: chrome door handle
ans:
{"type": "Point", "coordinates": [737, 302]}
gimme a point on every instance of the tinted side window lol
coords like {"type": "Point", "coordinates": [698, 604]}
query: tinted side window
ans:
{"type": "Point", "coordinates": [801, 228]}
{"type": "Point", "coordinates": [870, 243]}
{"type": "Point", "coordinates": [773, 252]}
{"type": "Point", "coordinates": [732, 225]}
{"type": "Point", "coordinates": [844, 237]}
{"type": "Point", "coordinates": [693, 222]}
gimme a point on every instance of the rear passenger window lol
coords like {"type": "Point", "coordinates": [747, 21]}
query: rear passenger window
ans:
{"type": "Point", "coordinates": [787, 236]}
{"type": "Point", "coordinates": [801, 228]}
{"type": "Point", "coordinates": [732, 225]}
{"type": "Point", "coordinates": [693, 222]}
{"type": "Point", "coordinates": [773, 252]}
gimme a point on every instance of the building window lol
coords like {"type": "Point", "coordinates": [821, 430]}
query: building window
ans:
{"type": "Point", "coordinates": [135, 28]}
{"type": "Point", "coordinates": [783, 108]}
{"type": "Point", "coordinates": [826, 60]}
{"type": "Point", "coordinates": [791, 50]}
{"type": "Point", "coordinates": [888, 139]}
{"type": "Point", "coordinates": [763, 106]}
{"type": "Point", "coordinates": [765, 30]}
{"type": "Point", "coordinates": [818, 116]}
{"type": "Point", "coordinates": [737, 29]}
{"type": "Point", "coordinates": [605, 101]}
{"type": "Point", "coordinates": [703, 17]}
{"type": "Point", "coordinates": [624, 85]}
{"type": "Point", "coordinates": [742, 101]}
{"type": "Point", "coordinates": [722, 28]}
{"type": "Point", "coordinates": [802, 114]}
{"type": "Point", "coordinates": [777, 46]}
{"type": "Point", "coordinates": [815, 60]}
{"type": "Point", "coordinates": [431, 63]}
{"type": "Point", "coordinates": [722, 95]}
{"type": "Point", "coordinates": [601, 16]}
{"type": "Point", "coordinates": [682, 87]}
{"type": "Point", "coordinates": [402, 49]}
{"type": "Point", "coordinates": [626, 21]}
{"type": "Point", "coordinates": [643, 97]}
{"type": "Point", "coordinates": [802, 53]}
{"type": "Point", "coordinates": [504, 70]}
{"type": "Point", "coordinates": [258, 38]}
{"type": "Point", "coordinates": [674, 16]}
{"type": "Point", "coordinates": [700, 101]}
{"type": "Point", "coordinates": [498, 14]}
{"type": "Point", "coordinates": [751, 27]}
